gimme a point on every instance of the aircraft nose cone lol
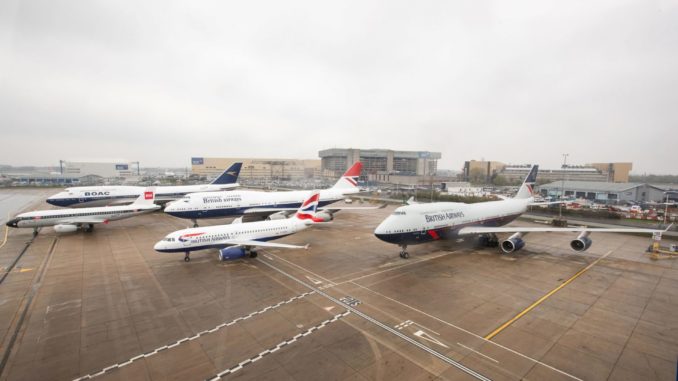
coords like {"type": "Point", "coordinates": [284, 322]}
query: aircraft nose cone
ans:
{"type": "Point", "coordinates": [157, 246]}
{"type": "Point", "coordinates": [12, 223]}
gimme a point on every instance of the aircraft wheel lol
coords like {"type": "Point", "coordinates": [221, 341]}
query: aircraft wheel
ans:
{"type": "Point", "coordinates": [187, 258]}
{"type": "Point", "coordinates": [253, 254]}
{"type": "Point", "coordinates": [404, 255]}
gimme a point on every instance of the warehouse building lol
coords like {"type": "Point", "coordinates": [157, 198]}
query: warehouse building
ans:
{"type": "Point", "coordinates": [106, 170]}
{"type": "Point", "coordinates": [382, 165]}
{"type": "Point", "coordinates": [258, 169]}
{"type": "Point", "coordinates": [485, 171]}
{"type": "Point", "coordinates": [604, 192]}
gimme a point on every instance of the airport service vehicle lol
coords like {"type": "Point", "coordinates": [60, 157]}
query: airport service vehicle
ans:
{"type": "Point", "coordinates": [254, 205]}
{"type": "Point", "coordinates": [70, 220]}
{"type": "Point", "coordinates": [121, 194]}
{"type": "Point", "coordinates": [420, 223]}
{"type": "Point", "coordinates": [240, 239]}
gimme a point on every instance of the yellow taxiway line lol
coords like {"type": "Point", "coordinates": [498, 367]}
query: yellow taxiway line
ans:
{"type": "Point", "coordinates": [538, 302]}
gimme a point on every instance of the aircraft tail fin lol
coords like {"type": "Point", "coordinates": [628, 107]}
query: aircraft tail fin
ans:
{"type": "Point", "coordinates": [308, 208]}
{"type": "Point", "coordinates": [349, 180]}
{"type": "Point", "coordinates": [229, 176]}
{"type": "Point", "coordinates": [526, 190]}
{"type": "Point", "coordinates": [147, 197]}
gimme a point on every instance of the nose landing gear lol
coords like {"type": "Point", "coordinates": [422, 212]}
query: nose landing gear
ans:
{"type": "Point", "coordinates": [403, 253]}
{"type": "Point", "coordinates": [187, 257]}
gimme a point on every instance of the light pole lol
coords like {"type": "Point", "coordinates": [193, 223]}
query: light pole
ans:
{"type": "Point", "coordinates": [562, 186]}
{"type": "Point", "coordinates": [666, 206]}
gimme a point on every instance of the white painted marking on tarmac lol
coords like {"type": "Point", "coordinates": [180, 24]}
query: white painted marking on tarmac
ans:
{"type": "Point", "coordinates": [376, 322]}
{"type": "Point", "coordinates": [420, 333]}
{"type": "Point", "coordinates": [282, 344]}
{"type": "Point", "coordinates": [315, 281]}
{"type": "Point", "coordinates": [197, 335]}
{"type": "Point", "coordinates": [470, 333]}
{"type": "Point", "coordinates": [476, 352]}
{"type": "Point", "coordinates": [269, 257]}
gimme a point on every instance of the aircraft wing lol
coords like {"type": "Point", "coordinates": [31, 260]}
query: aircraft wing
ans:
{"type": "Point", "coordinates": [274, 210]}
{"type": "Point", "coordinates": [242, 242]}
{"type": "Point", "coordinates": [517, 229]}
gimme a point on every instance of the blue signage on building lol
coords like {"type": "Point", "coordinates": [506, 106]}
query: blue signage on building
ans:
{"type": "Point", "coordinates": [197, 161]}
{"type": "Point", "coordinates": [121, 167]}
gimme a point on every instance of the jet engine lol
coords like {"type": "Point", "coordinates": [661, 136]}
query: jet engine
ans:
{"type": "Point", "coordinates": [582, 242]}
{"type": "Point", "coordinates": [325, 216]}
{"type": "Point", "coordinates": [277, 216]}
{"type": "Point", "coordinates": [513, 243]}
{"type": "Point", "coordinates": [65, 228]}
{"type": "Point", "coordinates": [230, 253]}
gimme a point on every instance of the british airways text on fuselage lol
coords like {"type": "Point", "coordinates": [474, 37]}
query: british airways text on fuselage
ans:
{"type": "Point", "coordinates": [217, 199]}
{"type": "Point", "coordinates": [440, 217]}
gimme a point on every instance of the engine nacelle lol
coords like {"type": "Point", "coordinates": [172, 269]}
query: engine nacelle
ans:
{"type": "Point", "coordinates": [513, 243]}
{"type": "Point", "coordinates": [64, 228]}
{"type": "Point", "coordinates": [277, 216]}
{"type": "Point", "coordinates": [231, 253]}
{"type": "Point", "coordinates": [325, 216]}
{"type": "Point", "coordinates": [582, 242]}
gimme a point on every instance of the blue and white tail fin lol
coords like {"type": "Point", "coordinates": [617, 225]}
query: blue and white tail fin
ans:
{"type": "Point", "coordinates": [308, 208]}
{"type": "Point", "coordinates": [229, 176]}
{"type": "Point", "coordinates": [527, 189]}
{"type": "Point", "coordinates": [349, 180]}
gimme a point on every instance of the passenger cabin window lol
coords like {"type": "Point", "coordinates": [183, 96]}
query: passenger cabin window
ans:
{"type": "Point", "coordinates": [398, 213]}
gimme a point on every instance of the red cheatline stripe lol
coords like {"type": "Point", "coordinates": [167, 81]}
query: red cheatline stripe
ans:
{"type": "Point", "coordinates": [433, 234]}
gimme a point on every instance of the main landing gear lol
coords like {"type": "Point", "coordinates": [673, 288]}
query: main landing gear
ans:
{"type": "Point", "coordinates": [187, 257]}
{"type": "Point", "coordinates": [403, 253]}
{"type": "Point", "coordinates": [195, 223]}
{"type": "Point", "coordinates": [488, 240]}
{"type": "Point", "coordinates": [89, 228]}
{"type": "Point", "coordinates": [35, 232]}
{"type": "Point", "coordinates": [252, 253]}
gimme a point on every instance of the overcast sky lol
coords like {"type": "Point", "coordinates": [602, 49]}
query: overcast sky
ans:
{"type": "Point", "coordinates": [513, 81]}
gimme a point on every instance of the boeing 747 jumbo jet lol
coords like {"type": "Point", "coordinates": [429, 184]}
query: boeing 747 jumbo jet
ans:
{"type": "Point", "coordinates": [121, 194]}
{"type": "Point", "coordinates": [258, 205]}
{"type": "Point", "coordinates": [69, 220]}
{"type": "Point", "coordinates": [240, 238]}
{"type": "Point", "coordinates": [420, 223]}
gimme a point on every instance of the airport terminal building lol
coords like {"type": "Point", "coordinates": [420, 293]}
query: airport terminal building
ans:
{"type": "Point", "coordinates": [382, 165]}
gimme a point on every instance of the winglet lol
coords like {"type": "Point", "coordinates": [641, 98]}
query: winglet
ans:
{"type": "Point", "coordinates": [229, 176]}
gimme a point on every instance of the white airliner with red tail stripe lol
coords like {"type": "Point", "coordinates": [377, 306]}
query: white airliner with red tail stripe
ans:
{"type": "Point", "coordinates": [69, 220]}
{"type": "Point", "coordinates": [258, 205]}
{"type": "Point", "coordinates": [240, 238]}
{"type": "Point", "coordinates": [421, 223]}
